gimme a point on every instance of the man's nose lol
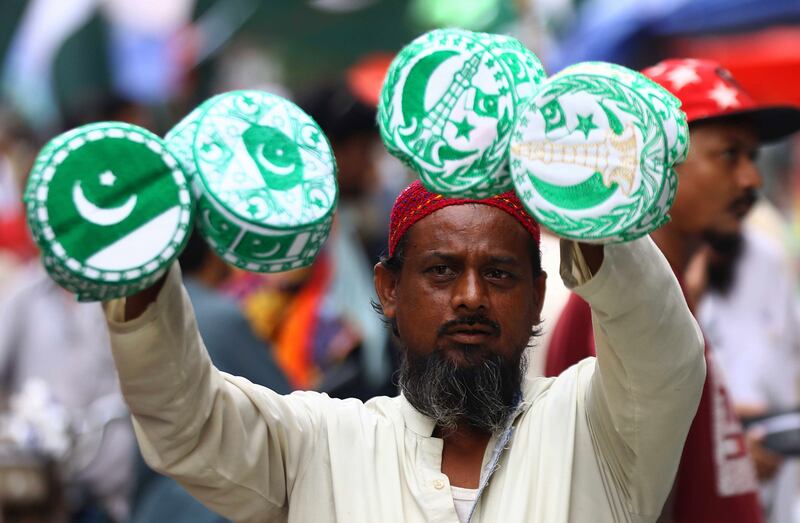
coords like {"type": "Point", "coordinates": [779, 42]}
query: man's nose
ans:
{"type": "Point", "coordinates": [748, 175]}
{"type": "Point", "coordinates": [470, 292]}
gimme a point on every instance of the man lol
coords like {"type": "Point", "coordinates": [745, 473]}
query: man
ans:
{"type": "Point", "coordinates": [53, 344]}
{"type": "Point", "coordinates": [749, 315]}
{"type": "Point", "coordinates": [462, 288]}
{"type": "Point", "coordinates": [717, 186]}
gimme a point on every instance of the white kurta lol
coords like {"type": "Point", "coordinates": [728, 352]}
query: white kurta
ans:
{"type": "Point", "coordinates": [600, 443]}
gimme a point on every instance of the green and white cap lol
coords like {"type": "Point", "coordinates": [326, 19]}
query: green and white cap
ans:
{"type": "Point", "coordinates": [448, 105]}
{"type": "Point", "coordinates": [265, 179]}
{"type": "Point", "coordinates": [590, 157]}
{"type": "Point", "coordinates": [110, 208]}
{"type": "Point", "coordinates": [666, 105]}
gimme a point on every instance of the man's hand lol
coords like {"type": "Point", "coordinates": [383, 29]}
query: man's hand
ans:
{"type": "Point", "coordinates": [136, 304]}
{"type": "Point", "coordinates": [766, 462]}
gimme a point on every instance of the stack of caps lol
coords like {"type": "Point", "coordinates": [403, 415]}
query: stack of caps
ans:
{"type": "Point", "coordinates": [264, 176]}
{"type": "Point", "coordinates": [448, 106]}
{"type": "Point", "coordinates": [110, 208]}
{"type": "Point", "coordinates": [593, 150]}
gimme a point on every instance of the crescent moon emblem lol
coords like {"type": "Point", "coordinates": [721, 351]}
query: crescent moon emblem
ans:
{"type": "Point", "coordinates": [267, 254]}
{"type": "Point", "coordinates": [282, 171]}
{"type": "Point", "coordinates": [98, 215]}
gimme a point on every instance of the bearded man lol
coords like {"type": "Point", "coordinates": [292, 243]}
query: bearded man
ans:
{"type": "Point", "coordinates": [468, 439]}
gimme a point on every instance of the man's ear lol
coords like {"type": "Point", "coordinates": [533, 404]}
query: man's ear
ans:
{"type": "Point", "coordinates": [386, 288]}
{"type": "Point", "coordinates": [539, 287]}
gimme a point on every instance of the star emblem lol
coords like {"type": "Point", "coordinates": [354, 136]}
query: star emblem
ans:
{"type": "Point", "coordinates": [253, 209]}
{"type": "Point", "coordinates": [681, 76]}
{"type": "Point", "coordinates": [586, 124]}
{"type": "Point", "coordinates": [463, 128]}
{"type": "Point", "coordinates": [657, 70]}
{"type": "Point", "coordinates": [107, 179]}
{"type": "Point", "coordinates": [724, 95]}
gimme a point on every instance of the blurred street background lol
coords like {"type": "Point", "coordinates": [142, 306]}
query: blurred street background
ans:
{"type": "Point", "coordinates": [67, 451]}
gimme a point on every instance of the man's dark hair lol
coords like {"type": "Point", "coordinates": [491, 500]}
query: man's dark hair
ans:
{"type": "Point", "coordinates": [195, 253]}
{"type": "Point", "coordinates": [339, 113]}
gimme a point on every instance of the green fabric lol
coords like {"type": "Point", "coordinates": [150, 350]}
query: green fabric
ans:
{"type": "Point", "coordinates": [138, 171]}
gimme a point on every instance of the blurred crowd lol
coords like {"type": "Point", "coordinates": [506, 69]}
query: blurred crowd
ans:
{"type": "Point", "coordinates": [67, 447]}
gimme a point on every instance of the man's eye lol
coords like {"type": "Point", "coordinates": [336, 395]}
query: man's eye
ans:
{"type": "Point", "coordinates": [440, 270]}
{"type": "Point", "coordinates": [498, 274]}
{"type": "Point", "coordinates": [730, 154]}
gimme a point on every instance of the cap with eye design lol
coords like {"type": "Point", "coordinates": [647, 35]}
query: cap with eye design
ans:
{"type": "Point", "coordinates": [265, 179]}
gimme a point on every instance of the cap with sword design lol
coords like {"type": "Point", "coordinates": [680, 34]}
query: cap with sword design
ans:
{"type": "Point", "coordinates": [592, 153]}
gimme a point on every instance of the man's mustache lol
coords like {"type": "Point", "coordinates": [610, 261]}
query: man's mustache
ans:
{"type": "Point", "coordinates": [469, 321]}
{"type": "Point", "coordinates": [745, 201]}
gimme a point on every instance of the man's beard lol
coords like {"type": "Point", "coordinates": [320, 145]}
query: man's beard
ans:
{"type": "Point", "coordinates": [726, 251]}
{"type": "Point", "coordinates": [482, 395]}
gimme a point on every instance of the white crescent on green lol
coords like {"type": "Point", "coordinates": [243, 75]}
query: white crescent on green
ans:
{"type": "Point", "coordinates": [590, 159]}
{"type": "Point", "coordinates": [265, 177]}
{"type": "Point", "coordinates": [110, 208]}
{"type": "Point", "coordinates": [447, 107]}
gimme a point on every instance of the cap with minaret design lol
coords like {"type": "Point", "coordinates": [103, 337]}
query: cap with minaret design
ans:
{"type": "Point", "coordinates": [448, 105]}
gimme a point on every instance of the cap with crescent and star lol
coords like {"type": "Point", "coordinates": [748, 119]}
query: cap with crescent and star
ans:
{"type": "Point", "coordinates": [448, 104]}
{"type": "Point", "coordinates": [593, 150]}
{"type": "Point", "coordinates": [110, 208]}
{"type": "Point", "coordinates": [265, 179]}
{"type": "Point", "coordinates": [708, 91]}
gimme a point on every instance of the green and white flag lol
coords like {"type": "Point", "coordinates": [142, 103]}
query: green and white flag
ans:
{"type": "Point", "coordinates": [110, 208]}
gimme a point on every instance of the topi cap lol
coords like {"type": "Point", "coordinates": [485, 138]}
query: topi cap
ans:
{"type": "Point", "coordinates": [708, 91]}
{"type": "Point", "coordinates": [416, 202]}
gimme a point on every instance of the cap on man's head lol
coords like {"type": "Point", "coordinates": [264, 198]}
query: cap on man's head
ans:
{"type": "Point", "coordinates": [708, 91]}
{"type": "Point", "coordinates": [417, 202]}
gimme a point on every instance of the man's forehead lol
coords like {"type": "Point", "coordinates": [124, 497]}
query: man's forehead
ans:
{"type": "Point", "coordinates": [459, 227]}
{"type": "Point", "coordinates": [729, 129]}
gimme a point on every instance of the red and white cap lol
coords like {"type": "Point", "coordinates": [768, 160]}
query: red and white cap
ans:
{"type": "Point", "coordinates": [708, 91]}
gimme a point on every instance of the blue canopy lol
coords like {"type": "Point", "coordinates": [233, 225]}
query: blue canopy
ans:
{"type": "Point", "coordinates": [615, 30]}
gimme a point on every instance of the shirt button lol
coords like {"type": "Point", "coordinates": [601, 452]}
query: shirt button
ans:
{"type": "Point", "coordinates": [438, 484]}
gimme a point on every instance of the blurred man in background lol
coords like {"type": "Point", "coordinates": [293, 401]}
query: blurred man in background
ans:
{"type": "Point", "coordinates": [61, 396]}
{"type": "Point", "coordinates": [748, 310]}
{"type": "Point", "coordinates": [716, 482]}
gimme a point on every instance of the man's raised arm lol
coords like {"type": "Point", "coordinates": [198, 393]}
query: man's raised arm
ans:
{"type": "Point", "coordinates": [650, 367]}
{"type": "Point", "coordinates": [234, 445]}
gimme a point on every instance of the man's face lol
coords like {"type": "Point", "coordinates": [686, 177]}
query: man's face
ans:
{"type": "Point", "coordinates": [466, 299]}
{"type": "Point", "coordinates": [718, 181]}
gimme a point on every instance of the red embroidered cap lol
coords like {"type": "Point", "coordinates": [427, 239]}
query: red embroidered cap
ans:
{"type": "Point", "coordinates": [417, 202]}
{"type": "Point", "coordinates": [708, 91]}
